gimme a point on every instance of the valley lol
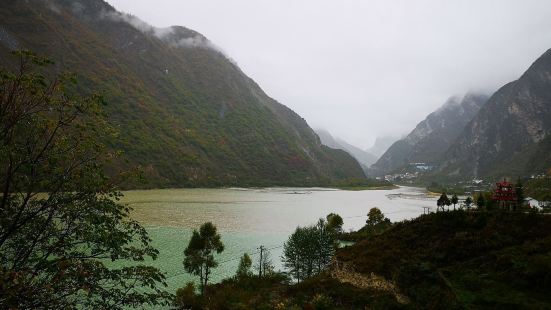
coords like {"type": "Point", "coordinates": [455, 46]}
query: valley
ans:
{"type": "Point", "coordinates": [142, 167]}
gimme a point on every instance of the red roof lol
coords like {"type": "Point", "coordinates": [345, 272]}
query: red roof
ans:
{"type": "Point", "coordinates": [505, 191]}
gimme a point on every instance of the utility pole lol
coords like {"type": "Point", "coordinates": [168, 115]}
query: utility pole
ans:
{"type": "Point", "coordinates": [261, 248]}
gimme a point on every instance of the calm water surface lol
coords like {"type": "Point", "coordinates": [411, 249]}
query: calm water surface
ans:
{"type": "Point", "coordinates": [248, 218]}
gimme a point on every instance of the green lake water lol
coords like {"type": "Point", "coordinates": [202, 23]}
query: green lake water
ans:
{"type": "Point", "coordinates": [248, 218]}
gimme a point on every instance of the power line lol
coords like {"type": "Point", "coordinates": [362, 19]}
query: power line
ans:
{"type": "Point", "coordinates": [268, 249]}
{"type": "Point", "coordinates": [230, 260]}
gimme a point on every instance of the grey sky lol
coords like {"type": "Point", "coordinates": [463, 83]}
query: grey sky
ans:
{"type": "Point", "coordinates": [363, 69]}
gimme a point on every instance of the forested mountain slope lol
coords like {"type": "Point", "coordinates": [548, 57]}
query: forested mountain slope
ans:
{"type": "Point", "coordinates": [183, 110]}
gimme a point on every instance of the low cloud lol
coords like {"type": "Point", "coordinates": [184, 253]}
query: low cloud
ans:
{"type": "Point", "coordinates": [136, 23]}
{"type": "Point", "coordinates": [167, 34]}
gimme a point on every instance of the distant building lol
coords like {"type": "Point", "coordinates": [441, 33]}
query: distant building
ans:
{"type": "Point", "coordinates": [421, 166]}
{"type": "Point", "coordinates": [533, 203]}
{"type": "Point", "coordinates": [505, 194]}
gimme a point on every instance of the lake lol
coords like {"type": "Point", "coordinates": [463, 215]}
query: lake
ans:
{"type": "Point", "coordinates": [249, 218]}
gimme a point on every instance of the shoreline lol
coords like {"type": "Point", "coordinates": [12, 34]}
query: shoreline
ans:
{"type": "Point", "coordinates": [346, 188]}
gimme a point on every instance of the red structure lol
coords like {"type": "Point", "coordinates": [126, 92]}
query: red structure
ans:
{"type": "Point", "coordinates": [505, 194]}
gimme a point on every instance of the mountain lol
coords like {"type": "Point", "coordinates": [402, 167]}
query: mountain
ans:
{"type": "Point", "coordinates": [327, 139]}
{"type": "Point", "coordinates": [433, 136]}
{"type": "Point", "coordinates": [381, 145]}
{"type": "Point", "coordinates": [510, 136]}
{"type": "Point", "coordinates": [364, 158]}
{"type": "Point", "coordinates": [184, 112]}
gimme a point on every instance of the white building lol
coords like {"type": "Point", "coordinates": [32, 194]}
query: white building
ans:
{"type": "Point", "coordinates": [533, 203]}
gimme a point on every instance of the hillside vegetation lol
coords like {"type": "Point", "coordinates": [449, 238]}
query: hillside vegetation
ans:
{"type": "Point", "coordinates": [185, 113]}
{"type": "Point", "coordinates": [463, 260]}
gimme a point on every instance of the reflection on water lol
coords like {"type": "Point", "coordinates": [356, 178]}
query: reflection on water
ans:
{"type": "Point", "coordinates": [248, 218]}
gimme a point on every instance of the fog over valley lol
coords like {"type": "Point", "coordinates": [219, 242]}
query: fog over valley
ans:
{"type": "Point", "coordinates": [365, 69]}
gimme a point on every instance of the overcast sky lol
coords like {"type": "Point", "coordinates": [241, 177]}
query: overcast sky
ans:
{"type": "Point", "coordinates": [363, 69]}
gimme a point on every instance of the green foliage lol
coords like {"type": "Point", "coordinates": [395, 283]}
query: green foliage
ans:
{"type": "Point", "coordinates": [309, 250]}
{"type": "Point", "coordinates": [539, 188]}
{"type": "Point", "coordinates": [454, 200]}
{"type": "Point", "coordinates": [519, 191]}
{"type": "Point", "coordinates": [244, 268]}
{"type": "Point", "coordinates": [374, 217]}
{"type": "Point", "coordinates": [480, 201]}
{"type": "Point", "coordinates": [59, 216]}
{"type": "Point", "coordinates": [275, 292]}
{"type": "Point", "coordinates": [444, 187]}
{"type": "Point", "coordinates": [199, 254]}
{"type": "Point", "coordinates": [462, 259]}
{"type": "Point", "coordinates": [443, 201]}
{"type": "Point", "coordinates": [246, 293]}
{"type": "Point", "coordinates": [376, 224]}
{"type": "Point", "coordinates": [468, 202]}
{"type": "Point", "coordinates": [202, 123]}
{"type": "Point", "coordinates": [362, 184]}
{"type": "Point", "coordinates": [326, 292]}
{"type": "Point", "coordinates": [187, 299]}
{"type": "Point", "coordinates": [334, 222]}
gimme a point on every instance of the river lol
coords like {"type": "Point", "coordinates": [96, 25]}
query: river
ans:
{"type": "Point", "coordinates": [249, 218]}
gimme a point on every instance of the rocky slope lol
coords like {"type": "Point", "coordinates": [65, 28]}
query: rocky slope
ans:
{"type": "Point", "coordinates": [433, 136]}
{"type": "Point", "coordinates": [185, 113]}
{"type": "Point", "coordinates": [510, 136]}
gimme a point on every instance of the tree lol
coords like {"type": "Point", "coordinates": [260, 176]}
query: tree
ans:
{"type": "Point", "coordinates": [480, 201]}
{"type": "Point", "coordinates": [334, 222]}
{"type": "Point", "coordinates": [468, 202]}
{"type": "Point", "coordinates": [244, 267]}
{"type": "Point", "coordinates": [454, 200]}
{"type": "Point", "coordinates": [199, 254]}
{"type": "Point", "coordinates": [309, 250]}
{"type": "Point", "coordinates": [187, 299]}
{"type": "Point", "coordinates": [326, 243]}
{"type": "Point", "coordinates": [443, 201]}
{"type": "Point", "coordinates": [60, 220]}
{"type": "Point", "coordinates": [292, 254]}
{"type": "Point", "coordinates": [519, 190]}
{"type": "Point", "coordinates": [265, 265]}
{"type": "Point", "coordinates": [374, 217]}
